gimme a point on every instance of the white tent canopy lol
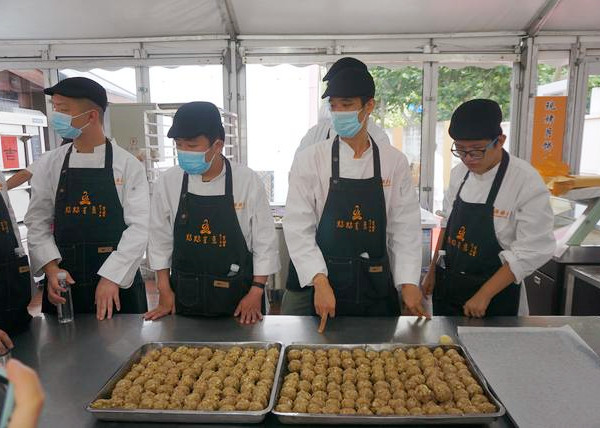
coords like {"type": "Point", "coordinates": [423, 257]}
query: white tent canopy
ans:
{"type": "Point", "coordinates": [74, 19]}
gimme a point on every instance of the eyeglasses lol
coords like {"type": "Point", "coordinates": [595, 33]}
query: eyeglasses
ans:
{"type": "Point", "coordinates": [475, 154]}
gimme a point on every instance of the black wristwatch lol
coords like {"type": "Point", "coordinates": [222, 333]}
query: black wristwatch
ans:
{"type": "Point", "coordinates": [258, 284]}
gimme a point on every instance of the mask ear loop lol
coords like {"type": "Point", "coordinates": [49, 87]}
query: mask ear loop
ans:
{"type": "Point", "coordinates": [81, 114]}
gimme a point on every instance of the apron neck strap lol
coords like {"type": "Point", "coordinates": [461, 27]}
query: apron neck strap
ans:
{"type": "Point", "coordinates": [108, 157]}
{"type": "Point", "coordinates": [335, 158]}
{"type": "Point", "coordinates": [498, 179]}
{"type": "Point", "coordinates": [228, 181]}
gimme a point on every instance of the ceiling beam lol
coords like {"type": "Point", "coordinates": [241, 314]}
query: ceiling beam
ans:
{"type": "Point", "coordinates": [228, 16]}
{"type": "Point", "coordinates": [537, 22]}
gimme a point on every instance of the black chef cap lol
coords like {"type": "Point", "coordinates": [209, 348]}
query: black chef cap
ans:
{"type": "Point", "coordinates": [80, 87]}
{"type": "Point", "coordinates": [477, 119]}
{"type": "Point", "coordinates": [197, 118]}
{"type": "Point", "coordinates": [351, 82]}
{"type": "Point", "coordinates": [341, 64]}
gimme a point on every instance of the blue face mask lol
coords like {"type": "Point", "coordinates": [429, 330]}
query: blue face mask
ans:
{"type": "Point", "coordinates": [193, 162]}
{"type": "Point", "coordinates": [346, 123]}
{"type": "Point", "coordinates": [61, 122]}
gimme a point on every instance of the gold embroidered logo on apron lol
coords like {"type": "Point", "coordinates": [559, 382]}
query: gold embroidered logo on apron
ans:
{"type": "Point", "coordinates": [205, 228]}
{"type": "Point", "coordinates": [4, 226]}
{"type": "Point", "coordinates": [375, 269]}
{"type": "Point", "coordinates": [206, 237]}
{"type": "Point", "coordinates": [85, 199]}
{"type": "Point", "coordinates": [104, 250]}
{"type": "Point", "coordinates": [358, 222]}
{"type": "Point", "coordinates": [461, 244]}
{"type": "Point", "coordinates": [23, 269]}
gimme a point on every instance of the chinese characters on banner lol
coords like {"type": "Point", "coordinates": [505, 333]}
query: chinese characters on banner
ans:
{"type": "Point", "coordinates": [10, 152]}
{"type": "Point", "coordinates": [548, 132]}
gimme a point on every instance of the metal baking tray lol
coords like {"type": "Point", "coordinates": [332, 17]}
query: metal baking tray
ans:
{"type": "Point", "coordinates": [184, 416]}
{"type": "Point", "coordinates": [311, 419]}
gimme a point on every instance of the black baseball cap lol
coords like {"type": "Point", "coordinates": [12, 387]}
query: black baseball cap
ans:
{"type": "Point", "coordinates": [343, 63]}
{"type": "Point", "coordinates": [80, 87]}
{"type": "Point", "coordinates": [478, 119]}
{"type": "Point", "coordinates": [197, 118]}
{"type": "Point", "coordinates": [351, 82]}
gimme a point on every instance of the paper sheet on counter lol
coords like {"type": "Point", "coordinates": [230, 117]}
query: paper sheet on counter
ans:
{"type": "Point", "coordinates": [545, 377]}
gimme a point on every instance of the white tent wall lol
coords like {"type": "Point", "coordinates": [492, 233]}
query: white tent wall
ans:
{"type": "Point", "coordinates": [425, 33]}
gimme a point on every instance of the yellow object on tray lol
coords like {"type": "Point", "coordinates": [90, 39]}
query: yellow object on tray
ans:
{"type": "Point", "coordinates": [562, 184]}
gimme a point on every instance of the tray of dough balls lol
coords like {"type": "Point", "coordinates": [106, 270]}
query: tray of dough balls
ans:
{"type": "Point", "coordinates": [383, 384]}
{"type": "Point", "coordinates": [223, 382]}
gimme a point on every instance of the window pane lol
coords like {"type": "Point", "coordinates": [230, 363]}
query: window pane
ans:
{"type": "Point", "coordinates": [590, 148]}
{"type": "Point", "coordinates": [282, 104]}
{"type": "Point", "coordinates": [399, 107]}
{"type": "Point", "coordinates": [22, 89]}
{"type": "Point", "coordinates": [187, 83]}
{"type": "Point", "coordinates": [553, 77]}
{"type": "Point", "coordinates": [455, 86]}
{"type": "Point", "coordinates": [119, 83]}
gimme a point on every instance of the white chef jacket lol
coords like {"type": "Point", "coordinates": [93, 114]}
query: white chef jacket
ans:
{"type": "Point", "coordinates": [252, 209]}
{"type": "Point", "coordinates": [13, 219]}
{"type": "Point", "coordinates": [307, 194]}
{"type": "Point", "coordinates": [132, 188]}
{"type": "Point", "coordinates": [523, 218]}
{"type": "Point", "coordinates": [319, 132]}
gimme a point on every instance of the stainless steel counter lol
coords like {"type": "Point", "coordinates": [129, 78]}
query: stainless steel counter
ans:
{"type": "Point", "coordinates": [75, 360]}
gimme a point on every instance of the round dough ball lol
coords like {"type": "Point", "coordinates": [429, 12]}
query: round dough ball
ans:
{"type": "Point", "coordinates": [300, 407]}
{"type": "Point", "coordinates": [330, 410]}
{"type": "Point", "coordinates": [377, 403]}
{"type": "Point", "coordinates": [486, 408]}
{"type": "Point", "coordinates": [285, 400]}
{"type": "Point", "coordinates": [363, 402]}
{"type": "Point", "coordinates": [479, 399]}
{"type": "Point", "coordinates": [284, 408]}
{"type": "Point", "coordinates": [366, 393]}
{"type": "Point", "coordinates": [401, 411]}
{"type": "Point", "coordinates": [385, 411]}
{"type": "Point", "coordinates": [412, 402]}
{"type": "Point", "coordinates": [348, 411]}
{"type": "Point", "coordinates": [416, 411]}
{"type": "Point", "coordinates": [351, 393]}
{"type": "Point", "coordinates": [320, 369]}
{"type": "Point", "coordinates": [307, 374]}
{"type": "Point", "coordinates": [462, 403]}
{"type": "Point", "coordinates": [474, 388]}
{"type": "Point", "coordinates": [320, 395]}
{"type": "Point", "coordinates": [288, 392]}
{"type": "Point", "coordinates": [423, 393]}
{"type": "Point", "coordinates": [335, 394]}
{"type": "Point", "coordinates": [242, 405]}
{"type": "Point", "coordinates": [348, 403]}
{"type": "Point", "coordinates": [349, 375]}
{"type": "Point", "coordinates": [303, 395]}
{"type": "Point", "coordinates": [256, 406]}
{"type": "Point", "coordinates": [319, 385]}
{"type": "Point", "coordinates": [460, 394]}
{"type": "Point", "coordinates": [442, 392]}
{"type": "Point", "coordinates": [383, 394]}
{"type": "Point", "coordinates": [228, 400]}
{"type": "Point", "coordinates": [453, 411]}
{"type": "Point", "coordinates": [313, 408]}
{"type": "Point", "coordinates": [304, 385]}
{"type": "Point", "coordinates": [332, 402]}
{"type": "Point", "coordinates": [400, 393]}
{"type": "Point", "coordinates": [333, 386]}
{"type": "Point", "coordinates": [364, 411]}
{"type": "Point", "coordinates": [348, 363]}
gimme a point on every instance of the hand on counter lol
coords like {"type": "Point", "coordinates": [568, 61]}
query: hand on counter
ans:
{"type": "Point", "coordinates": [52, 270]}
{"type": "Point", "coordinates": [477, 305]}
{"type": "Point", "coordinates": [324, 299]}
{"type": "Point", "coordinates": [166, 305]}
{"type": "Point", "coordinates": [413, 301]}
{"type": "Point", "coordinates": [107, 293]}
{"type": "Point", "coordinates": [249, 308]}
